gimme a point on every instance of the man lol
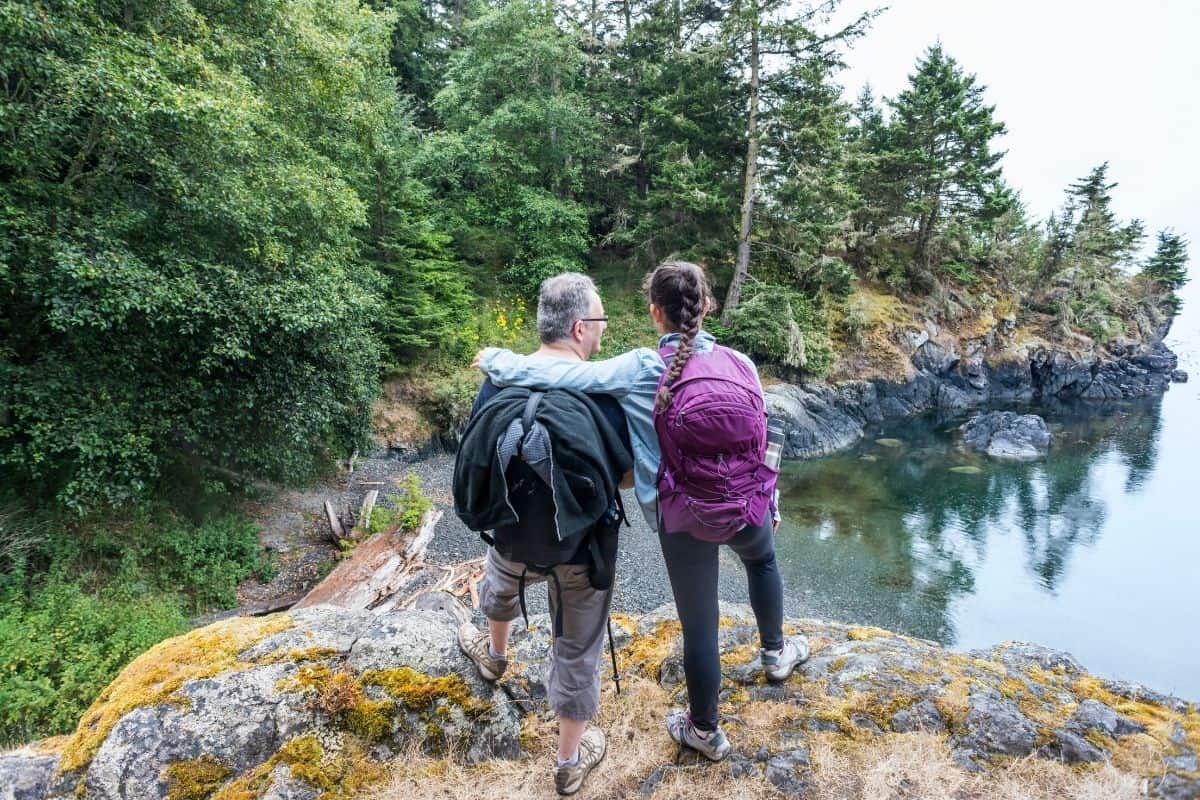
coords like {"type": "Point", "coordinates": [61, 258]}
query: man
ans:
{"type": "Point", "coordinates": [571, 324]}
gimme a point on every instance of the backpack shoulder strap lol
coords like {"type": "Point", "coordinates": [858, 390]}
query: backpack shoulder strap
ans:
{"type": "Point", "coordinates": [747, 380]}
{"type": "Point", "coordinates": [530, 409]}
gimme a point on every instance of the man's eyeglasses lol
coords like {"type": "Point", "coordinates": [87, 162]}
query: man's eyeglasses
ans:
{"type": "Point", "coordinates": [594, 319]}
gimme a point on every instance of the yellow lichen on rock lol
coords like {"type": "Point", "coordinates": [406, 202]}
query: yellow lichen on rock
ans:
{"type": "Point", "coordinates": [157, 674]}
{"type": "Point", "coordinates": [341, 775]}
{"type": "Point", "coordinates": [419, 692]}
{"type": "Point", "coordinates": [1142, 753]}
{"type": "Point", "coordinates": [195, 779]}
{"type": "Point", "coordinates": [647, 653]}
{"type": "Point", "coordinates": [863, 633]}
{"type": "Point", "coordinates": [739, 656]}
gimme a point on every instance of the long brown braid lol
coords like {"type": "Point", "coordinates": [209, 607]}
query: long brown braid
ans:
{"type": "Point", "coordinates": [680, 289]}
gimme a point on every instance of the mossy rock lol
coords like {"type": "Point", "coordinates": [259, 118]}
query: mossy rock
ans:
{"type": "Point", "coordinates": [283, 706]}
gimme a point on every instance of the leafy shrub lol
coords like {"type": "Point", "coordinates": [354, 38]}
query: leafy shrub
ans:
{"type": "Point", "coordinates": [411, 507]}
{"type": "Point", "coordinates": [449, 402]}
{"type": "Point", "coordinates": [781, 326]}
{"type": "Point", "coordinates": [62, 644]}
{"type": "Point", "coordinates": [180, 258]}
{"type": "Point", "coordinates": [204, 563]}
{"type": "Point", "coordinates": [80, 598]}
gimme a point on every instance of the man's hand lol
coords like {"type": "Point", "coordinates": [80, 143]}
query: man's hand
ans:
{"type": "Point", "coordinates": [775, 526]}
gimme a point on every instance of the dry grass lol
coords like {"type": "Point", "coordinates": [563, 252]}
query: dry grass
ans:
{"type": "Point", "coordinates": [396, 417]}
{"type": "Point", "coordinates": [899, 766]}
{"type": "Point", "coordinates": [637, 744]}
{"type": "Point", "coordinates": [888, 767]}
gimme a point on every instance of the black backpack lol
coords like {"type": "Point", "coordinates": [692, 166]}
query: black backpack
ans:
{"type": "Point", "coordinates": [532, 540]}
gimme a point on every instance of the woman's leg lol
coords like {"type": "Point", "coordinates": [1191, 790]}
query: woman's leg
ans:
{"type": "Point", "coordinates": [692, 568]}
{"type": "Point", "coordinates": [755, 546]}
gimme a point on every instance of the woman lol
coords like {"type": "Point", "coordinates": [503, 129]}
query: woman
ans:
{"type": "Point", "coordinates": [642, 382]}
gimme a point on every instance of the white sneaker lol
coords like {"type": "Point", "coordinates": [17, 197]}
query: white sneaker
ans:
{"type": "Point", "coordinates": [779, 664]}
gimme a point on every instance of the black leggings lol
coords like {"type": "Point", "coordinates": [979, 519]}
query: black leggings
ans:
{"type": "Point", "coordinates": [692, 567]}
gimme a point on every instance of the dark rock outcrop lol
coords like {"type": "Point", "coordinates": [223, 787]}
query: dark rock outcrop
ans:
{"type": "Point", "coordinates": [821, 418]}
{"type": "Point", "coordinates": [1007, 435]}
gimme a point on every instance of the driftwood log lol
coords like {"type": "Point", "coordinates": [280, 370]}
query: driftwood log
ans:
{"type": "Point", "coordinates": [387, 571]}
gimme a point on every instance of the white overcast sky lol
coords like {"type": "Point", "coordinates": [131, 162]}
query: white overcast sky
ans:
{"type": "Point", "coordinates": [1077, 83]}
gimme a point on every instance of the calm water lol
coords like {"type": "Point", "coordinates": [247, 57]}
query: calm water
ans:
{"type": "Point", "coordinates": [1094, 550]}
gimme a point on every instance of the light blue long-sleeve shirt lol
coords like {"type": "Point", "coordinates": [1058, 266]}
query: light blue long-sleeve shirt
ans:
{"type": "Point", "coordinates": [632, 378]}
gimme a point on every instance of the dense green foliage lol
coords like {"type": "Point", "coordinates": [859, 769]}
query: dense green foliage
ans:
{"type": "Point", "coordinates": [65, 643]}
{"type": "Point", "coordinates": [79, 599]}
{"type": "Point", "coordinates": [221, 220]}
{"type": "Point", "coordinates": [180, 193]}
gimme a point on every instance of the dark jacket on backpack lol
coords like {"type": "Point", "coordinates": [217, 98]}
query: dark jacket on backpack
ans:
{"type": "Point", "coordinates": [587, 455]}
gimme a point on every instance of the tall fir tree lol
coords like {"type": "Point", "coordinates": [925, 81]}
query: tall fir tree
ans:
{"type": "Point", "coordinates": [770, 40]}
{"type": "Point", "coordinates": [1168, 266]}
{"type": "Point", "coordinates": [940, 163]}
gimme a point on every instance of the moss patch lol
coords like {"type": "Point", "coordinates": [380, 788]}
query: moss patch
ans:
{"type": "Point", "coordinates": [866, 633]}
{"type": "Point", "coordinates": [647, 653]}
{"type": "Point", "coordinates": [343, 775]}
{"type": "Point", "coordinates": [157, 674]}
{"type": "Point", "coordinates": [420, 692]}
{"type": "Point", "coordinates": [196, 779]}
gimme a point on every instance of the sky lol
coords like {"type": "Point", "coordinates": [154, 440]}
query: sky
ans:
{"type": "Point", "coordinates": [1077, 83]}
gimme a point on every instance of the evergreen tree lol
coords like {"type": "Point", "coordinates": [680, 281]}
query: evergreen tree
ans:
{"type": "Point", "coordinates": [809, 193]}
{"type": "Point", "coordinates": [771, 40]}
{"type": "Point", "coordinates": [518, 135]}
{"type": "Point", "coordinates": [1168, 266]}
{"type": "Point", "coordinates": [1085, 251]}
{"type": "Point", "coordinates": [668, 178]}
{"type": "Point", "coordinates": [1098, 237]}
{"type": "Point", "coordinates": [939, 161]}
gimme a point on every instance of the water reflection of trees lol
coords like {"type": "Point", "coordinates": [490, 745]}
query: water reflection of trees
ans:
{"type": "Point", "coordinates": [896, 537]}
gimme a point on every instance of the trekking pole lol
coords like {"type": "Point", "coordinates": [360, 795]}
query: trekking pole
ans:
{"type": "Point", "coordinates": [612, 650]}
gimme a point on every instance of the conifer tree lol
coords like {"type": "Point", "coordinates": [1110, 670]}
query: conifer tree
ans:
{"type": "Point", "coordinates": [939, 161]}
{"type": "Point", "coordinates": [1168, 266]}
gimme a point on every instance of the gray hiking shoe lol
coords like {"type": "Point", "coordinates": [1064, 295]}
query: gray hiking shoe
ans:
{"type": "Point", "coordinates": [714, 746]}
{"type": "Point", "coordinates": [779, 664]}
{"type": "Point", "coordinates": [567, 780]}
{"type": "Point", "coordinates": [474, 643]}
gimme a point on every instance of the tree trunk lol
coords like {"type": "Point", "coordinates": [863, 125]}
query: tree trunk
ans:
{"type": "Point", "coordinates": [741, 267]}
{"type": "Point", "coordinates": [925, 233]}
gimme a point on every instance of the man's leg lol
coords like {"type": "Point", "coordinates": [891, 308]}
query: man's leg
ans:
{"type": "Point", "coordinates": [498, 631]}
{"type": "Point", "coordinates": [570, 731]}
{"type": "Point", "coordinates": [499, 602]}
{"type": "Point", "coordinates": [574, 680]}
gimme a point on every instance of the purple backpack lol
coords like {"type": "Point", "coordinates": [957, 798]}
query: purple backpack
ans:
{"type": "Point", "coordinates": [712, 481]}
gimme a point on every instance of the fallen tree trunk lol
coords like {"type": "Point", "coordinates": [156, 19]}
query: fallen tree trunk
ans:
{"type": "Point", "coordinates": [375, 570]}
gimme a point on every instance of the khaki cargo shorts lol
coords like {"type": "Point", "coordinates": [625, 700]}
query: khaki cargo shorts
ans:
{"type": "Point", "coordinates": [574, 684]}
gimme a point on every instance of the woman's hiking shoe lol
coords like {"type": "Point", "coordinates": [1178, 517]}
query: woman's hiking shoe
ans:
{"type": "Point", "coordinates": [474, 643]}
{"type": "Point", "coordinates": [569, 778]}
{"type": "Point", "coordinates": [713, 746]}
{"type": "Point", "coordinates": [779, 664]}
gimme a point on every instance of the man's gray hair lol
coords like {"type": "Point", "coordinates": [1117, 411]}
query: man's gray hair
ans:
{"type": "Point", "coordinates": [563, 300]}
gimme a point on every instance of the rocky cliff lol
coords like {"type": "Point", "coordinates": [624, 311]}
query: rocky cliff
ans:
{"type": "Point", "coordinates": [913, 370]}
{"type": "Point", "coordinates": [331, 703]}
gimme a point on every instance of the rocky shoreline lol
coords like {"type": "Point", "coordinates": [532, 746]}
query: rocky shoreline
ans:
{"type": "Point", "coordinates": [945, 374]}
{"type": "Point", "coordinates": [332, 703]}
